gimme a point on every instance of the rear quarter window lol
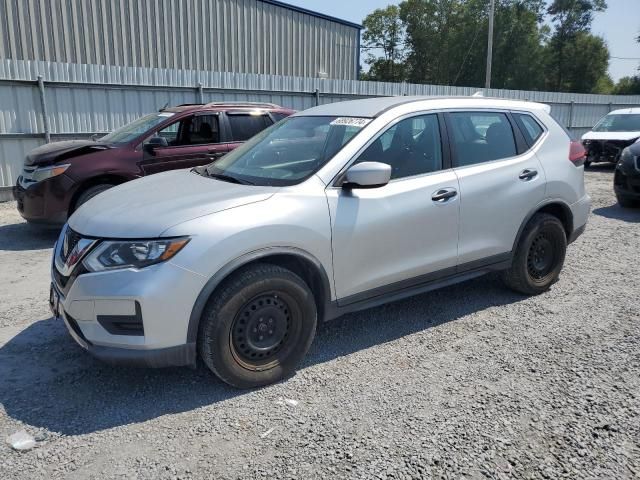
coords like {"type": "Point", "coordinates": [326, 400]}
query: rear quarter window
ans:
{"type": "Point", "coordinates": [529, 126]}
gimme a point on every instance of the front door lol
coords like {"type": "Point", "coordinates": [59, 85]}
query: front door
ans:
{"type": "Point", "coordinates": [406, 232]}
{"type": "Point", "coordinates": [192, 141]}
{"type": "Point", "coordinates": [500, 183]}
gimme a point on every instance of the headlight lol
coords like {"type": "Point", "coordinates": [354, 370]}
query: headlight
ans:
{"type": "Point", "coordinates": [115, 254]}
{"type": "Point", "coordinates": [42, 173]}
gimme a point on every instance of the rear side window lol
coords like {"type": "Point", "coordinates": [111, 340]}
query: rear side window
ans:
{"type": "Point", "coordinates": [529, 127]}
{"type": "Point", "coordinates": [481, 137]}
{"type": "Point", "coordinates": [245, 126]}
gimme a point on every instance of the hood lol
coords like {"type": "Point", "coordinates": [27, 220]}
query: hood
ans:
{"type": "Point", "coordinates": [624, 136]}
{"type": "Point", "coordinates": [58, 151]}
{"type": "Point", "coordinates": [147, 207]}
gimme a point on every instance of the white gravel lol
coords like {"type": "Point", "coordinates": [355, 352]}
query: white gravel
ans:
{"type": "Point", "coordinates": [472, 381]}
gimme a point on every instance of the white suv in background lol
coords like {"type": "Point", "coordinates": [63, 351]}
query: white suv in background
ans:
{"type": "Point", "coordinates": [338, 208]}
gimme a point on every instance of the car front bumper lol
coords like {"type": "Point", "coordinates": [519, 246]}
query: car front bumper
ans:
{"type": "Point", "coordinates": [45, 202]}
{"type": "Point", "coordinates": [626, 182]}
{"type": "Point", "coordinates": [130, 317]}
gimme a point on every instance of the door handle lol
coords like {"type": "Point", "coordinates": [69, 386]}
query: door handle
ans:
{"type": "Point", "coordinates": [528, 174]}
{"type": "Point", "coordinates": [443, 195]}
{"type": "Point", "coordinates": [214, 155]}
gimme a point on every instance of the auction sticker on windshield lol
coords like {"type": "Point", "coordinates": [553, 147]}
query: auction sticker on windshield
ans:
{"type": "Point", "coordinates": [351, 121]}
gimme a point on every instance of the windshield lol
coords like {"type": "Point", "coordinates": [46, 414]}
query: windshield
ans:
{"type": "Point", "coordinates": [619, 123]}
{"type": "Point", "coordinates": [134, 129]}
{"type": "Point", "coordinates": [288, 152]}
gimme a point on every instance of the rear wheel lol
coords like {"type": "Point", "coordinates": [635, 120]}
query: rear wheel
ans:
{"type": "Point", "coordinates": [258, 326]}
{"type": "Point", "coordinates": [539, 256]}
{"type": "Point", "coordinates": [91, 192]}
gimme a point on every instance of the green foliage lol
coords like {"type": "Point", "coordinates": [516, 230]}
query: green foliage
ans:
{"type": "Point", "coordinates": [628, 86]}
{"type": "Point", "coordinates": [384, 31]}
{"type": "Point", "coordinates": [576, 64]}
{"type": "Point", "coordinates": [576, 60]}
{"type": "Point", "coordinates": [538, 44]}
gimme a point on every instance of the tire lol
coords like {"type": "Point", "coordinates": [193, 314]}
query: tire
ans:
{"type": "Point", "coordinates": [258, 299]}
{"type": "Point", "coordinates": [587, 164]}
{"type": "Point", "coordinates": [91, 192]}
{"type": "Point", "coordinates": [539, 256]}
{"type": "Point", "coordinates": [626, 202]}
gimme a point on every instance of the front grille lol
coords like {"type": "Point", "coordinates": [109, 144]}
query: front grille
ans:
{"type": "Point", "coordinates": [69, 241]}
{"type": "Point", "coordinates": [70, 251]}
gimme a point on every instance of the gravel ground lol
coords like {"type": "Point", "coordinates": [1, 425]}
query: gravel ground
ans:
{"type": "Point", "coordinates": [471, 381]}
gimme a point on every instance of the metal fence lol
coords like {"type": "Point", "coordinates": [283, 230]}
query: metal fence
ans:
{"type": "Point", "coordinates": [44, 100]}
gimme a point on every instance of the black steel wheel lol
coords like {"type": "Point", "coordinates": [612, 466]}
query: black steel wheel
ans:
{"type": "Point", "coordinates": [257, 326]}
{"type": "Point", "coordinates": [539, 255]}
{"type": "Point", "coordinates": [261, 330]}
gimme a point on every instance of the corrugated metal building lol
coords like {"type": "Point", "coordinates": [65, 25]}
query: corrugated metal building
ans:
{"type": "Point", "coordinates": [244, 36]}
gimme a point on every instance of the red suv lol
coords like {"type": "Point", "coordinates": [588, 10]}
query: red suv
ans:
{"type": "Point", "coordinates": [60, 176]}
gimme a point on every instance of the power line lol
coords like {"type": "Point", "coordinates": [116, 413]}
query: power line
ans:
{"type": "Point", "coordinates": [624, 58]}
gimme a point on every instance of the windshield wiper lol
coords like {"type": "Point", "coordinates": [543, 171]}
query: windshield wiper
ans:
{"type": "Point", "coordinates": [228, 178]}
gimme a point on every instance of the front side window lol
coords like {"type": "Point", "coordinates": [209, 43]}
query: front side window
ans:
{"type": "Point", "coordinates": [245, 126]}
{"type": "Point", "coordinates": [619, 123]}
{"type": "Point", "coordinates": [170, 133]}
{"type": "Point", "coordinates": [481, 137]}
{"type": "Point", "coordinates": [411, 147]}
{"type": "Point", "coordinates": [134, 129]}
{"type": "Point", "coordinates": [288, 152]}
{"type": "Point", "coordinates": [193, 130]}
{"type": "Point", "coordinates": [200, 130]}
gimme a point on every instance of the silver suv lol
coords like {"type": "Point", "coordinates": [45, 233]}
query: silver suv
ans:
{"type": "Point", "coordinates": [338, 208]}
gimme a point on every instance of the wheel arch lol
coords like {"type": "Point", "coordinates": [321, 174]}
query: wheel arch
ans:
{"type": "Point", "coordinates": [113, 179]}
{"type": "Point", "coordinates": [557, 208]}
{"type": "Point", "coordinates": [302, 263]}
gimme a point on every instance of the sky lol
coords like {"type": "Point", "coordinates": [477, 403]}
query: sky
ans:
{"type": "Point", "coordinates": [619, 25]}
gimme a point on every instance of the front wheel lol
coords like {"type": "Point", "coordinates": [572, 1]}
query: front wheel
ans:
{"type": "Point", "coordinates": [91, 192]}
{"type": "Point", "coordinates": [539, 256]}
{"type": "Point", "coordinates": [258, 326]}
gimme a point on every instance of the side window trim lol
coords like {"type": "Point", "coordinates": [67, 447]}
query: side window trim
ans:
{"type": "Point", "coordinates": [336, 182]}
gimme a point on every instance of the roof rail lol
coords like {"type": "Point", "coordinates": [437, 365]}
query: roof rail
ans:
{"type": "Point", "coordinates": [243, 104]}
{"type": "Point", "coordinates": [189, 104]}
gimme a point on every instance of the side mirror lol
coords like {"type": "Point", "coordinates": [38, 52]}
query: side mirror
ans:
{"type": "Point", "coordinates": [155, 142]}
{"type": "Point", "coordinates": [367, 175]}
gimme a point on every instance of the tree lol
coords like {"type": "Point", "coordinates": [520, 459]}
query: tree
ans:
{"type": "Point", "coordinates": [572, 44]}
{"type": "Point", "coordinates": [518, 60]}
{"type": "Point", "coordinates": [628, 86]}
{"type": "Point", "coordinates": [384, 32]}
{"type": "Point", "coordinates": [446, 42]}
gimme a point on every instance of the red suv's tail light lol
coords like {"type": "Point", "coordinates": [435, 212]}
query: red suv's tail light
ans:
{"type": "Point", "coordinates": [577, 153]}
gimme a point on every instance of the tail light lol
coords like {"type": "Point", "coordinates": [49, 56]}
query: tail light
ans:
{"type": "Point", "coordinates": [577, 153]}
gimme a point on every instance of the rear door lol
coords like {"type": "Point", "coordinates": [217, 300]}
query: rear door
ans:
{"type": "Point", "coordinates": [192, 141]}
{"type": "Point", "coordinates": [501, 180]}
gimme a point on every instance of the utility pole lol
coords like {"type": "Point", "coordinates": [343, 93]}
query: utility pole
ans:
{"type": "Point", "coordinates": [492, 7]}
